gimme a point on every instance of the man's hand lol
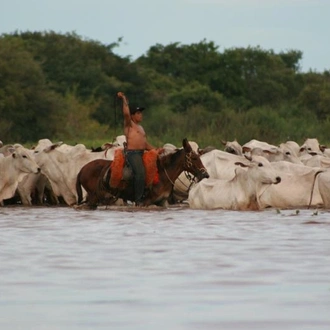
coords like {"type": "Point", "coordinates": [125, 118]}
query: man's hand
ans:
{"type": "Point", "coordinates": [122, 96]}
{"type": "Point", "coordinates": [160, 150]}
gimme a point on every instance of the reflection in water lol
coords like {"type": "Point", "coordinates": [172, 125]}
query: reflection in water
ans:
{"type": "Point", "coordinates": [164, 269]}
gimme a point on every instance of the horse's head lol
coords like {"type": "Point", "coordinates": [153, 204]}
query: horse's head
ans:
{"type": "Point", "coordinates": [193, 163]}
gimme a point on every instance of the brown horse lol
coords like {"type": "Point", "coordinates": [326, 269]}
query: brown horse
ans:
{"type": "Point", "coordinates": [95, 176]}
{"type": "Point", "coordinates": [89, 177]}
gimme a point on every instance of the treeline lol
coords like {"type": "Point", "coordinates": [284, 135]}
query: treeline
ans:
{"type": "Point", "coordinates": [63, 87]}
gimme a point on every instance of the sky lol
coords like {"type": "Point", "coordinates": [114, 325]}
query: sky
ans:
{"type": "Point", "coordinates": [278, 25]}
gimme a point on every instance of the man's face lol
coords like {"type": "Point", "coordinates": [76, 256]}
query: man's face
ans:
{"type": "Point", "coordinates": [137, 116]}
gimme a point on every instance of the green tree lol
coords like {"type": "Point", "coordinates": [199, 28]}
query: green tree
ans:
{"type": "Point", "coordinates": [91, 68]}
{"type": "Point", "coordinates": [195, 94]}
{"type": "Point", "coordinates": [188, 63]}
{"type": "Point", "coordinates": [26, 103]}
{"type": "Point", "coordinates": [75, 122]}
{"type": "Point", "coordinates": [315, 95]}
{"type": "Point", "coordinates": [255, 77]}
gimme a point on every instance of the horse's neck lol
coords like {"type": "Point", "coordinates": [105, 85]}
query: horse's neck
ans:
{"type": "Point", "coordinates": [174, 165]}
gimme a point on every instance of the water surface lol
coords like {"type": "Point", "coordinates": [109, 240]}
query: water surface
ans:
{"type": "Point", "coordinates": [174, 269]}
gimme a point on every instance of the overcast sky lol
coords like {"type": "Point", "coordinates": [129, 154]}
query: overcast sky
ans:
{"type": "Point", "coordinates": [280, 25]}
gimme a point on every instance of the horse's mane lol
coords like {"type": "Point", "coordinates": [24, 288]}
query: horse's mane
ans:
{"type": "Point", "coordinates": [170, 158]}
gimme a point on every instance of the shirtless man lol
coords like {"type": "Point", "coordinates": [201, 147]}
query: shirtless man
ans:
{"type": "Point", "coordinates": [136, 145]}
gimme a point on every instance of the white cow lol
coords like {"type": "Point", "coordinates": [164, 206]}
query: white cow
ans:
{"type": "Point", "coordinates": [313, 160]}
{"type": "Point", "coordinates": [238, 193]}
{"type": "Point", "coordinates": [296, 187]}
{"type": "Point", "coordinates": [42, 144]}
{"type": "Point", "coordinates": [233, 147]}
{"type": "Point", "coordinates": [286, 151]}
{"type": "Point", "coordinates": [326, 151]}
{"type": "Point", "coordinates": [7, 150]}
{"type": "Point", "coordinates": [32, 189]}
{"type": "Point", "coordinates": [310, 146]}
{"type": "Point", "coordinates": [57, 177]}
{"type": "Point", "coordinates": [73, 149]}
{"type": "Point", "coordinates": [276, 155]}
{"type": "Point", "coordinates": [194, 146]}
{"type": "Point", "coordinates": [323, 180]}
{"type": "Point", "coordinates": [219, 164]}
{"type": "Point", "coordinates": [13, 169]}
{"type": "Point", "coordinates": [290, 148]}
{"type": "Point", "coordinates": [62, 168]}
{"type": "Point", "coordinates": [249, 146]}
{"type": "Point", "coordinates": [169, 148]}
{"type": "Point", "coordinates": [119, 141]}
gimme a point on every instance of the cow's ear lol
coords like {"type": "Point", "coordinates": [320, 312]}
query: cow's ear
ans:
{"type": "Point", "coordinates": [241, 164]}
{"type": "Point", "coordinates": [246, 149]}
{"type": "Point", "coordinates": [322, 147]}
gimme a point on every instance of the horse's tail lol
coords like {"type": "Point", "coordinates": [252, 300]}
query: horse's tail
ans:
{"type": "Point", "coordinates": [103, 182]}
{"type": "Point", "coordinates": [78, 189]}
{"type": "Point", "coordinates": [104, 192]}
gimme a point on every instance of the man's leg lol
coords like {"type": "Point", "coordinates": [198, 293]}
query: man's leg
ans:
{"type": "Point", "coordinates": [136, 162]}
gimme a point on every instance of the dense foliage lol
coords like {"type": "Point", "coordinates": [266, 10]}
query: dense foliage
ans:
{"type": "Point", "coordinates": [63, 87]}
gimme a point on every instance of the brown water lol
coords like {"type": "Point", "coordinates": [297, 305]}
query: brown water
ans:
{"type": "Point", "coordinates": [173, 269]}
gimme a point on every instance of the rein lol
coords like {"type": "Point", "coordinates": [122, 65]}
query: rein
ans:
{"type": "Point", "coordinates": [188, 163]}
{"type": "Point", "coordinates": [168, 176]}
{"type": "Point", "coordinates": [115, 103]}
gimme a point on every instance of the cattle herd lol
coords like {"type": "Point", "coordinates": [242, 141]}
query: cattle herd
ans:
{"type": "Point", "coordinates": [253, 176]}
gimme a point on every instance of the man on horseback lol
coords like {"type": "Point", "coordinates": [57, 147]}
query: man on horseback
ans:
{"type": "Point", "coordinates": [136, 144]}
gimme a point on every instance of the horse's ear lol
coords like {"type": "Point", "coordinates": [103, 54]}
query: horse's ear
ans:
{"type": "Point", "coordinates": [186, 145]}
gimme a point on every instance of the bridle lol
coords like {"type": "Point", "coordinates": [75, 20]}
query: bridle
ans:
{"type": "Point", "coordinates": [190, 178]}
{"type": "Point", "coordinates": [187, 164]}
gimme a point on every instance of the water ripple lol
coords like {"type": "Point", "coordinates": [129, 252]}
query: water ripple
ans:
{"type": "Point", "coordinates": [164, 269]}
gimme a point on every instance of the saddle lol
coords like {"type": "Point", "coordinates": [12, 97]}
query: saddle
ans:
{"type": "Point", "coordinates": [150, 165]}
